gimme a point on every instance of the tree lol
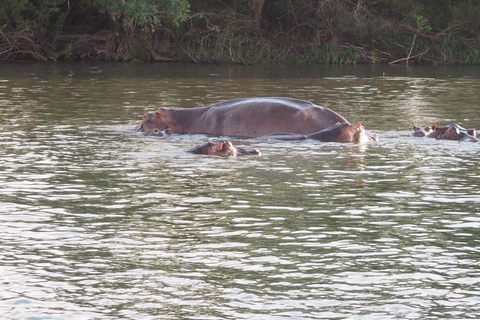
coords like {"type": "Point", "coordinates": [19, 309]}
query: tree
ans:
{"type": "Point", "coordinates": [149, 14]}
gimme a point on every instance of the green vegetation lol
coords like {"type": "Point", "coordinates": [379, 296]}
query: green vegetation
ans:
{"type": "Point", "coordinates": [243, 31]}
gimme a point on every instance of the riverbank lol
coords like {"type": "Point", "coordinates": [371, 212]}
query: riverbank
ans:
{"type": "Point", "coordinates": [301, 32]}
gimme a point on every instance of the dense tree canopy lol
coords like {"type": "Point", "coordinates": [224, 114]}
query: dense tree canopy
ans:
{"type": "Point", "coordinates": [243, 31]}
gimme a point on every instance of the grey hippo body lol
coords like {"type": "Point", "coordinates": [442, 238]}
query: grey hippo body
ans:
{"type": "Point", "coordinates": [244, 118]}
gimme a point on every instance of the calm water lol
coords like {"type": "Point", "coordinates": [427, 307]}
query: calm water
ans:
{"type": "Point", "coordinates": [99, 222]}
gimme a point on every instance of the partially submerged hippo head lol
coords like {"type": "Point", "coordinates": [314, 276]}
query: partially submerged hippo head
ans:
{"type": "Point", "coordinates": [162, 133]}
{"type": "Point", "coordinates": [423, 131]}
{"type": "Point", "coordinates": [223, 148]}
{"type": "Point", "coordinates": [449, 132]}
{"type": "Point", "coordinates": [152, 122]}
{"type": "Point", "coordinates": [343, 132]}
{"type": "Point", "coordinates": [359, 134]}
{"type": "Point", "coordinates": [455, 133]}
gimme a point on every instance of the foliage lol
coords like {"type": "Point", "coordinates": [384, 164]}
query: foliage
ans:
{"type": "Point", "coordinates": [38, 23]}
{"type": "Point", "coordinates": [25, 14]}
{"type": "Point", "coordinates": [135, 14]}
{"type": "Point", "coordinates": [243, 31]}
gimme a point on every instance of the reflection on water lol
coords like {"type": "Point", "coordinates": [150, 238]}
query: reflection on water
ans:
{"type": "Point", "coordinates": [99, 222]}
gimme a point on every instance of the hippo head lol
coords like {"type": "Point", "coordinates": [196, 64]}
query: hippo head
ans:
{"type": "Point", "coordinates": [153, 122]}
{"type": "Point", "coordinates": [226, 149]}
{"type": "Point", "coordinates": [360, 135]}
{"type": "Point", "coordinates": [343, 132]}
{"type": "Point", "coordinates": [351, 133]}
{"type": "Point", "coordinates": [451, 133]}
{"type": "Point", "coordinates": [422, 131]}
{"type": "Point", "coordinates": [456, 133]}
{"type": "Point", "coordinates": [223, 148]}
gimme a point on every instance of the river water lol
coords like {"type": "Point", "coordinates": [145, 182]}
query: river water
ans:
{"type": "Point", "coordinates": [100, 222]}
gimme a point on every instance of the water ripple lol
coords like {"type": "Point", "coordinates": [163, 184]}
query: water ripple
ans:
{"type": "Point", "coordinates": [98, 222]}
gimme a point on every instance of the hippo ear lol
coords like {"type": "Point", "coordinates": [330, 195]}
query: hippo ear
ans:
{"type": "Point", "coordinates": [414, 128]}
{"type": "Point", "coordinates": [434, 127]}
{"type": "Point", "coordinates": [359, 126]}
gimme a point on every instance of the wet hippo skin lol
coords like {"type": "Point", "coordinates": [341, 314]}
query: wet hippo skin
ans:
{"type": "Point", "coordinates": [449, 132]}
{"type": "Point", "coordinates": [340, 132]}
{"type": "Point", "coordinates": [244, 118]}
{"type": "Point", "coordinates": [223, 148]}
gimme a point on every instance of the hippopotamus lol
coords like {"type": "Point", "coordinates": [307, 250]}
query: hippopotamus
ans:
{"type": "Point", "coordinates": [340, 132]}
{"type": "Point", "coordinates": [449, 132]}
{"type": "Point", "coordinates": [343, 132]}
{"type": "Point", "coordinates": [455, 133]}
{"type": "Point", "coordinates": [423, 131]}
{"type": "Point", "coordinates": [224, 148]}
{"type": "Point", "coordinates": [244, 118]}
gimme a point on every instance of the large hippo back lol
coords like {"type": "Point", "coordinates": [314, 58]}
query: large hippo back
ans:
{"type": "Point", "coordinates": [255, 117]}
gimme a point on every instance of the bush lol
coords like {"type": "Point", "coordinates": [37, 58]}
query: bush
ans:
{"type": "Point", "coordinates": [135, 14]}
{"type": "Point", "coordinates": [243, 31]}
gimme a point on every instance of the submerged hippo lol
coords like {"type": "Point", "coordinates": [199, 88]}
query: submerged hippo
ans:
{"type": "Point", "coordinates": [455, 133]}
{"type": "Point", "coordinates": [244, 118]}
{"type": "Point", "coordinates": [423, 131]}
{"type": "Point", "coordinates": [223, 148]}
{"type": "Point", "coordinates": [449, 132]}
{"type": "Point", "coordinates": [341, 132]}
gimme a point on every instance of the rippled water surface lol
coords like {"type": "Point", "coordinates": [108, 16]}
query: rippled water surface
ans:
{"type": "Point", "coordinates": [99, 222]}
